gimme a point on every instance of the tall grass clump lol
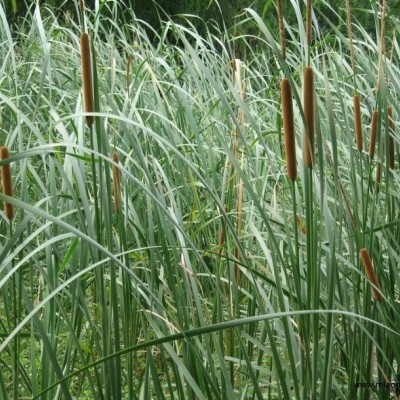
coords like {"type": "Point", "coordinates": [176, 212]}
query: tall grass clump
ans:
{"type": "Point", "coordinates": [165, 244]}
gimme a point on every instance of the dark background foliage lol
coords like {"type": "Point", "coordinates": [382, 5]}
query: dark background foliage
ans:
{"type": "Point", "coordinates": [222, 12]}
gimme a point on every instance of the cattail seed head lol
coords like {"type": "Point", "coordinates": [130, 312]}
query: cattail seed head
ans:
{"type": "Point", "coordinates": [370, 271]}
{"type": "Point", "coordinates": [374, 130]}
{"type": "Point", "coordinates": [357, 123]}
{"type": "Point", "coordinates": [391, 137]}
{"type": "Point", "coordinates": [7, 182]}
{"type": "Point", "coordinates": [87, 77]}
{"type": "Point", "coordinates": [308, 108]}
{"type": "Point", "coordinates": [81, 6]}
{"type": "Point", "coordinates": [288, 129]}
{"type": "Point", "coordinates": [116, 173]}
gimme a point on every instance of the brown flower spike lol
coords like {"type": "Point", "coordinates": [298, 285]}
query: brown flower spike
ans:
{"type": "Point", "coordinates": [374, 130]}
{"type": "Point", "coordinates": [288, 129]}
{"type": "Point", "coordinates": [357, 122]}
{"type": "Point", "coordinates": [87, 77]}
{"type": "Point", "coordinates": [370, 271]}
{"type": "Point", "coordinates": [7, 182]}
{"type": "Point", "coordinates": [116, 183]}
{"type": "Point", "coordinates": [391, 138]}
{"type": "Point", "coordinates": [308, 108]}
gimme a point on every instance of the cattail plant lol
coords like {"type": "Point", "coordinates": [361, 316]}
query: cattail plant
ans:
{"type": "Point", "coordinates": [370, 271]}
{"type": "Point", "coordinates": [288, 129]}
{"type": "Point", "coordinates": [87, 77]}
{"type": "Point", "coordinates": [357, 122]}
{"type": "Point", "coordinates": [7, 182]}
{"type": "Point", "coordinates": [391, 137]}
{"type": "Point", "coordinates": [308, 108]}
{"type": "Point", "coordinates": [374, 130]}
{"type": "Point", "coordinates": [116, 173]}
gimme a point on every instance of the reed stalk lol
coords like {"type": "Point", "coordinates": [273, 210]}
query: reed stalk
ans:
{"type": "Point", "coordinates": [87, 77]}
{"type": "Point", "coordinates": [371, 274]}
{"type": "Point", "coordinates": [308, 108]}
{"type": "Point", "coordinates": [7, 182]}
{"type": "Point", "coordinates": [288, 129]}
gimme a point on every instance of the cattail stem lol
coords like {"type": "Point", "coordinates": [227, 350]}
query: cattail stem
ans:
{"type": "Point", "coordinates": [7, 182]}
{"type": "Point", "coordinates": [308, 108]}
{"type": "Point", "coordinates": [370, 271]}
{"type": "Point", "coordinates": [357, 123]}
{"type": "Point", "coordinates": [391, 137]}
{"type": "Point", "coordinates": [87, 77]}
{"type": "Point", "coordinates": [116, 173]}
{"type": "Point", "coordinates": [288, 129]}
{"type": "Point", "coordinates": [374, 130]}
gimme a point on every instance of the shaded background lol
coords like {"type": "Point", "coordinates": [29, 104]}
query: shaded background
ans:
{"type": "Point", "coordinates": [222, 12]}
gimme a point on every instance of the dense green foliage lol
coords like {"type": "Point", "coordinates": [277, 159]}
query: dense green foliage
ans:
{"type": "Point", "coordinates": [216, 277]}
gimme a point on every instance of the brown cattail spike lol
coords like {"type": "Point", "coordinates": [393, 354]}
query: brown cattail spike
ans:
{"type": "Point", "coordinates": [357, 123]}
{"type": "Point", "coordinates": [370, 271]}
{"type": "Point", "coordinates": [87, 77]}
{"type": "Point", "coordinates": [7, 182]}
{"type": "Point", "coordinates": [374, 130]}
{"type": "Point", "coordinates": [308, 108]}
{"type": "Point", "coordinates": [288, 129]}
{"type": "Point", "coordinates": [391, 137]}
{"type": "Point", "coordinates": [378, 176]}
{"type": "Point", "coordinates": [116, 182]}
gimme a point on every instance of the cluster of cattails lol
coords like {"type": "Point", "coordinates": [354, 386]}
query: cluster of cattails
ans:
{"type": "Point", "coordinates": [287, 106]}
{"type": "Point", "coordinates": [371, 274]}
{"type": "Point", "coordinates": [116, 173]}
{"type": "Point", "coordinates": [6, 182]}
{"type": "Point", "coordinates": [87, 77]}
